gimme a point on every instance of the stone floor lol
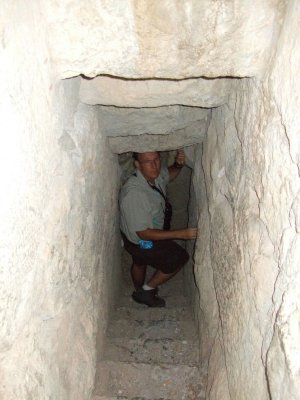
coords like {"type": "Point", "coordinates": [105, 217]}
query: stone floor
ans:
{"type": "Point", "coordinates": [151, 353]}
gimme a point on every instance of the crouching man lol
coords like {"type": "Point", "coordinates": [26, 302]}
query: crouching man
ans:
{"type": "Point", "coordinates": [145, 222]}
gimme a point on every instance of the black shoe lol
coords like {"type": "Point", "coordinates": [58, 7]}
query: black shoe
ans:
{"type": "Point", "coordinates": [137, 289]}
{"type": "Point", "coordinates": [148, 297]}
{"type": "Point", "coordinates": [141, 287]}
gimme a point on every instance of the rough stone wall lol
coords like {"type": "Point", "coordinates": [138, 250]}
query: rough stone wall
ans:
{"type": "Point", "coordinates": [247, 262]}
{"type": "Point", "coordinates": [58, 221]}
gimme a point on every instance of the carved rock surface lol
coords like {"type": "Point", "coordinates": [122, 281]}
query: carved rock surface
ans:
{"type": "Point", "coordinates": [193, 134]}
{"type": "Point", "coordinates": [161, 120]}
{"type": "Point", "coordinates": [164, 39]}
{"type": "Point", "coordinates": [247, 257]}
{"type": "Point", "coordinates": [58, 226]}
{"type": "Point", "coordinates": [109, 91]}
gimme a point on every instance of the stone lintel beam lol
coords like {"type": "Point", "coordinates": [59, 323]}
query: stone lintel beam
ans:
{"type": "Point", "coordinates": [136, 121]}
{"type": "Point", "coordinates": [188, 136]}
{"type": "Point", "coordinates": [104, 90]}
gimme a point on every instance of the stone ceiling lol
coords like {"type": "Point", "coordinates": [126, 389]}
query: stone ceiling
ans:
{"type": "Point", "coordinates": [153, 114]}
{"type": "Point", "coordinates": [159, 66]}
{"type": "Point", "coordinates": [109, 91]}
{"type": "Point", "coordinates": [175, 111]}
{"type": "Point", "coordinates": [171, 39]}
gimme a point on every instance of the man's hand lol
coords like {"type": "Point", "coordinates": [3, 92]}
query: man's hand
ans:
{"type": "Point", "coordinates": [158, 234]}
{"type": "Point", "coordinates": [189, 233]}
{"type": "Point", "coordinates": [180, 158]}
{"type": "Point", "coordinates": [178, 164]}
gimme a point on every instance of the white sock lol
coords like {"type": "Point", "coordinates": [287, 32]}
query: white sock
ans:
{"type": "Point", "coordinates": [146, 287]}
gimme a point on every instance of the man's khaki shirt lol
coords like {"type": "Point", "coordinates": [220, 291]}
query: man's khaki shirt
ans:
{"type": "Point", "coordinates": [142, 207]}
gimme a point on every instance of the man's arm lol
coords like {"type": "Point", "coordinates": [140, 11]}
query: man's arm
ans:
{"type": "Point", "coordinates": [158, 234]}
{"type": "Point", "coordinates": [178, 164]}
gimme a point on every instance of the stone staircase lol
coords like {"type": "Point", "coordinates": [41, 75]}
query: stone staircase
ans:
{"type": "Point", "coordinates": [151, 353]}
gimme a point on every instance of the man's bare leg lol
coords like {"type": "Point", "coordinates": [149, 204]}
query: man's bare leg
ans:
{"type": "Point", "coordinates": [148, 293]}
{"type": "Point", "coordinates": [160, 277]}
{"type": "Point", "coordinates": [138, 274]}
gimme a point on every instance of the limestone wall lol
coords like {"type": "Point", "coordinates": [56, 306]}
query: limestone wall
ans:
{"type": "Point", "coordinates": [58, 221]}
{"type": "Point", "coordinates": [247, 261]}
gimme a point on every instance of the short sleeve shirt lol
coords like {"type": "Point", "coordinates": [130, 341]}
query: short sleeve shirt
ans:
{"type": "Point", "coordinates": [141, 206]}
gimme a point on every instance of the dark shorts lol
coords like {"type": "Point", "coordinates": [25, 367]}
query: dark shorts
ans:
{"type": "Point", "coordinates": [166, 255]}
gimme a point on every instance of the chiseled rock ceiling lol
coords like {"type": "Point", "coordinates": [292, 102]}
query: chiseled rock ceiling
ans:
{"type": "Point", "coordinates": [159, 59]}
{"type": "Point", "coordinates": [127, 108]}
{"type": "Point", "coordinates": [109, 91]}
{"type": "Point", "coordinates": [168, 39]}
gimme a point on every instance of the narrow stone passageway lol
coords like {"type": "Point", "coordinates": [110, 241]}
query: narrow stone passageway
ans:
{"type": "Point", "coordinates": [151, 353]}
{"type": "Point", "coordinates": [85, 83]}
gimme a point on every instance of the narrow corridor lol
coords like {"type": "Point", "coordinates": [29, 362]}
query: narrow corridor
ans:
{"type": "Point", "coordinates": [150, 353]}
{"type": "Point", "coordinates": [84, 84]}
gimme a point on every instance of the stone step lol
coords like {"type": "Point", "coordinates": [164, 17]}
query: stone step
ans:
{"type": "Point", "coordinates": [156, 351]}
{"type": "Point", "coordinates": [154, 314]}
{"type": "Point", "coordinates": [171, 301]}
{"type": "Point", "coordinates": [152, 329]}
{"type": "Point", "coordinates": [139, 380]}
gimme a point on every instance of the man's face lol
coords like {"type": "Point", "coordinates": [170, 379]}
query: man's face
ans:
{"type": "Point", "coordinates": [148, 164]}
